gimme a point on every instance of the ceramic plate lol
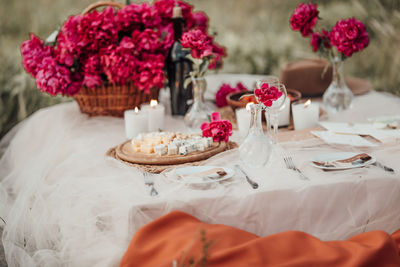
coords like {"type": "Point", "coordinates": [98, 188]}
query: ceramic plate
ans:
{"type": "Point", "coordinates": [339, 156]}
{"type": "Point", "coordinates": [188, 175]}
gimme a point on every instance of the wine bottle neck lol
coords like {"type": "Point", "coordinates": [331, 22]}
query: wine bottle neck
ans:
{"type": "Point", "coordinates": [178, 28]}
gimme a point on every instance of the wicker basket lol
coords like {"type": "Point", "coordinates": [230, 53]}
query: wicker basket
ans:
{"type": "Point", "coordinates": [110, 99]}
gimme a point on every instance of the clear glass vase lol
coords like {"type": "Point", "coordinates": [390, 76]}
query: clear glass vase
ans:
{"type": "Point", "coordinates": [338, 96]}
{"type": "Point", "coordinates": [199, 112]}
{"type": "Point", "coordinates": [256, 149]}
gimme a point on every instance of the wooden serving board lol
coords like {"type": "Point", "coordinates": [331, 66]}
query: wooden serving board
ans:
{"type": "Point", "coordinates": [125, 152]}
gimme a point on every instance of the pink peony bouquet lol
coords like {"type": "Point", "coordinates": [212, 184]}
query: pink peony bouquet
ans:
{"type": "Point", "coordinates": [204, 52]}
{"type": "Point", "coordinates": [114, 46]}
{"type": "Point", "coordinates": [218, 129]}
{"type": "Point", "coordinates": [224, 90]}
{"type": "Point", "coordinates": [348, 36]}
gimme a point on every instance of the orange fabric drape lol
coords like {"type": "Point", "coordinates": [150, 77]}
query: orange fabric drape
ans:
{"type": "Point", "coordinates": [177, 235]}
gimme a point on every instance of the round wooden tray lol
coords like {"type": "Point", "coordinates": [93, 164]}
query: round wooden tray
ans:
{"type": "Point", "coordinates": [125, 152]}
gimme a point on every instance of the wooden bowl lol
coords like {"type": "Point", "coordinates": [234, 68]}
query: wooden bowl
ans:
{"type": "Point", "coordinates": [234, 102]}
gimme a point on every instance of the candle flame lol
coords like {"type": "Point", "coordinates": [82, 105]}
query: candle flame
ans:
{"type": "Point", "coordinates": [136, 110]}
{"type": "Point", "coordinates": [153, 103]}
{"type": "Point", "coordinates": [248, 105]}
{"type": "Point", "coordinates": [308, 102]}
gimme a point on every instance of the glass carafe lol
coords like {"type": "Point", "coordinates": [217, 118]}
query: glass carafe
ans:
{"type": "Point", "coordinates": [256, 149]}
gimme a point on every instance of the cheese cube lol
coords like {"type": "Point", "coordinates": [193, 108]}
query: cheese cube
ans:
{"type": "Point", "coordinates": [183, 150]}
{"type": "Point", "coordinates": [200, 146]}
{"type": "Point", "coordinates": [160, 149]}
{"type": "Point", "coordinates": [145, 148]}
{"type": "Point", "coordinates": [172, 149]}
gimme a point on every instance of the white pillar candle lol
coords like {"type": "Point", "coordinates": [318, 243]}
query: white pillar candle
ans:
{"type": "Point", "coordinates": [156, 113]}
{"type": "Point", "coordinates": [135, 122]}
{"type": "Point", "coordinates": [305, 115]}
{"type": "Point", "coordinates": [284, 115]}
{"type": "Point", "coordinates": [243, 119]}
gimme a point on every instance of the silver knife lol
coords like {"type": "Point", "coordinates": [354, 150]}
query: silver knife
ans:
{"type": "Point", "coordinates": [251, 182]}
{"type": "Point", "coordinates": [386, 168]}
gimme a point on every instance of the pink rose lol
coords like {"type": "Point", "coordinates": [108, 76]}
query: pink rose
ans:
{"type": "Point", "coordinates": [267, 95]}
{"type": "Point", "coordinates": [33, 52]}
{"type": "Point", "coordinates": [218, 129]}
{"type": "Point", "coordinates": [349, 36]}
{"type": "Point", "coordinates": [218, 53]}
{"type": "Point", "coordinates": [304, 18]}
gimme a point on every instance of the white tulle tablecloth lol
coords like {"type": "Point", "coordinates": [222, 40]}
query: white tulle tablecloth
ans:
{"type": "Point", "coordinates": [66, 204]}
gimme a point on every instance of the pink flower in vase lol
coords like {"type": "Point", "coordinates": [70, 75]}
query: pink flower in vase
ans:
{"type": "Point", "coordinates": [304, 18]}
{"type": "Point", "coordinates": [198, 42]}
{"type": "Point", "coordinates": [267, 94]}
{"type": "Point", "coordinates": [349, 36]}
{"type": "Point", "coordinates": [199, 21]}
{"type": "Point", "coordinates": [218, 129]}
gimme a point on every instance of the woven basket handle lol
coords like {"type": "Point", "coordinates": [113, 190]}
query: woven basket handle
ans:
{"type": "Point", "coordinates": [100, 4]}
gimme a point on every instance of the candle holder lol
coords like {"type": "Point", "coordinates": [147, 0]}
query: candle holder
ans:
{"type": "Point", "coordinates": [305, 114]}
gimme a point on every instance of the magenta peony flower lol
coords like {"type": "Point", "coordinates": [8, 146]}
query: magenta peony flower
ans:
{"type": "Point", "coordinates": [218, 129]}
{"type": "Point", "coordinates": [267, 95]}
{"type": "Point", "coordinates": [198, 20]}
{"type": "Point", "coordinates": [97, 30]}
{"type": "Point", "coordinates": [53, 78]}
{"type": "Point", "coordinates": [135, 16]}
{"type": "Point", "coordinates": [33, 52]}
{"type": "Point", "coordinates": [67, 41]}
{"type": "Point", "coordinates": [91, 71]}
{"type": "Point", "coordinates": [198, 42]}
{"type": "Point", "coordinates": [150, 72]}
{"type": "Point", "coordinates": [317, 39]}
{"type": "Point", "coordinates": [224, 90]}
{"type": "Point", "coordinates": [304, 18]}
{"type": "Point", "coordinates": [349, 36]}
{"type": "Point", "coordinates": [147, 41]}
{"type": "Point", "coordinates": [219, 52]}
{"type": "Point", "coordinates": [119, 63]}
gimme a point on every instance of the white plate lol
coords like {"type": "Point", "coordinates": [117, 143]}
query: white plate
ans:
{"type": "Point", "coordinates": [188, 175]}
{"type": "Point", "coordinates": [339, 156]}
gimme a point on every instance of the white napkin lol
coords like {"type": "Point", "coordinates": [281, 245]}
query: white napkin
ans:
{"type": "Point", "coordinates": [342, 139]}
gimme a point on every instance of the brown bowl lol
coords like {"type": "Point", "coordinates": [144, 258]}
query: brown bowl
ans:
{"type": "Point", "coordinates": [234, 102]}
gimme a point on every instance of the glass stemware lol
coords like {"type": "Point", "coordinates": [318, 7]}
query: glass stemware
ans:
{"type": "Point", "coordinates": [272, 112]}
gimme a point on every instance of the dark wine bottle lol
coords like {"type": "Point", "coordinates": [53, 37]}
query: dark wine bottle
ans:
{"type": "Point", "coordinates": [178, 68]}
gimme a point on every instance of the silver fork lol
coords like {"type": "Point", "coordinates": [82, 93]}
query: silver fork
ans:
{"type": "Point", "coordinates": [149, 181]}
{"type": "Point", "coordinates": [290, 165]}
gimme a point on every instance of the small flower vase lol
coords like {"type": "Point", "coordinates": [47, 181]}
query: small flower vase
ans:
{"type": "Point", "coordinates": [199, 112]}
{"type": "Point", "coordinates": [338, 96]}
{"type": "Point", "coordinates": [256, 149]}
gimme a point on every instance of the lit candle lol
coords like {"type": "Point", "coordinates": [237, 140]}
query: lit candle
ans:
{"type": "Point", "coordinates": [284, 115]}
{"type": "Point", "coordinates": [243, 119]}
{"type": "Point", "coordinates": [305, 115]}
{"type": "Point", "coordinates": [156, 113]}
{"type": "Point", "coordinates": [135, 122]}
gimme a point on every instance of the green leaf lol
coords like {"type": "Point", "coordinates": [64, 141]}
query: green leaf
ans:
{"type": "Point", "coordinates": [187, 81]}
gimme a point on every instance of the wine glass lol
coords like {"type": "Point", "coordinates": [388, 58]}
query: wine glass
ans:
{"type": "Point", "coordinates": [272, 112]}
